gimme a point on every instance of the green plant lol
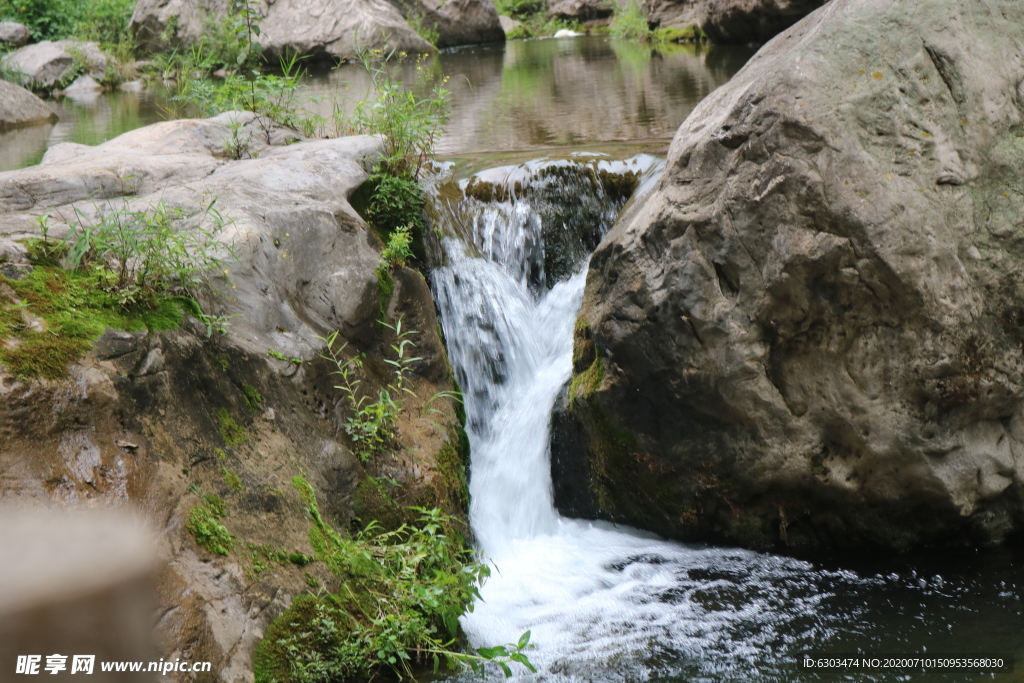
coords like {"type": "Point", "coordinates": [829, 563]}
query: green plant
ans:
{"type": "Point", "coordinates": [233, 481]}
{"type": "Point", "coordinates": [252, 397]}
{"type": "Point", "coordinates": [274, 353]}
{"type": "Point", "coordinates": [152, 252]}
{"type": "Point", "coordinates": [410, 124]}
{"type": "Point", "coordinates": [519, 8]}
{"type": "Point", "coordinates": [630, 22]}
{"type": "Point", "coordinates": [205, 526]}
{"type": "Point", "coordinates": [371, 423]}
{"type": "Point", "coordinates": [401, 595]}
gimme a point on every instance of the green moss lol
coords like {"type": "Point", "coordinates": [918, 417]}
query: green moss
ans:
{"type": "Point", "coordinates": [233, 481]}
{"type": "Point", "coordinates": [252, 397]}
{"type": "Point", "coordinates": [689, 34]}
{"type": "Point", "coordinates": [75, 309]}
{"type": "Point", "coordinates": [205, 526]}
{"type": "Point", "coordinates": [230, 431]}
{"type": "Point", "coordinates": [385, 288]}
{"type": "Point", "coordinates": [372, 501]}
{"type": "Point", "coordinates": [588, 368]}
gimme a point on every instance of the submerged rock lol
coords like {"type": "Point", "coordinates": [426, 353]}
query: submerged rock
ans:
{"type": "Point", "coordinates": [324, 28]}
{"type": "Point", "coordinates": [811, 333]}
{"type": "Point", "coordinates": [19, 107]}
{"type": "Point", "coordinates": [158, 422]}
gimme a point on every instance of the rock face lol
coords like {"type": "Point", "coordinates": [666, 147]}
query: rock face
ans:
{"type": "Point", "coordinates": [325, 28]}
{"type": "Point", "coordinates": [811, 333]}
{"type": "Point", "coordinates": [753, 21]}
{"type": "Point", "coordinates": [458, 22]}
{"type": "Point", "coordinates": [145, 421]}
{"type": "Point", "coordinates": [47, 64]}
{"type": "Point", "coordinates": [581, 10]}
{"type": "Point", "coordinates": [19, 107]}
{"type": "Point", "coordinates": [13, 34]}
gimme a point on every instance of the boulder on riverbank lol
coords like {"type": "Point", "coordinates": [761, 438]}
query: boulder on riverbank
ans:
{"type": "Point", "coordinates": [579, 10]}
{"type": "Point", "coordinates": [19, 108]}
{"type": "Point", "coordinates": [811, 333]}
{"type": "Point", "coordinates": [52, 64]}
{"type": "Point", "coordinates": [322, 28]}
{"type": "Point", "coordinates": [225, 410]}
{"type": "Point", "coordinates": [455, 22]}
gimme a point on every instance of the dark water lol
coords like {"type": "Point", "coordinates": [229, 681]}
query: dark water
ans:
{"type": "Point", "coordinates": [520, 96]}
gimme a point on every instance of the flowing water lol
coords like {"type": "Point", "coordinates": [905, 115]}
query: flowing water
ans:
{"type": "Point", "coordinates": [608, 603]}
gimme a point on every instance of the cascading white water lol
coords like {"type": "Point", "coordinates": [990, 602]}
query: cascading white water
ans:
{"type": "Point", "coordinates": [602, 602]}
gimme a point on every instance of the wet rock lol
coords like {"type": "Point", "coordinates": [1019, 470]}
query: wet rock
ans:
{"type": "Point", "coordinates": [83, 85]}
{"type": "Point", "coordinates": [114, 344]}
{"type": "Point", "coordinates": [509, 25]}
{"type": "Point", "coordinates": [13, 34]}
{"type": "Point", "coordinates": [811, 334]}
{"type": "Point", "coordinates": [324, 28]}
{"type": "Point", "coordinates": [753, 21]}
{"type": "Point", "coordinates": [19, 107]}
{"type": "Point", "coordinates": [579, 10]}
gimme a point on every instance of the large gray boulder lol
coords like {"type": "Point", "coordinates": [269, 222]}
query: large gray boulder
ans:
{"type": "Point", "coordinates": [325, 28]}
{"type": "Point", "coordinates": [811, 332]}
{"type": "Point", "coordinates": [51, 64]}
{"type": "Point", "coordinates": [13, 34]}
{"type": "Point", "coordinates": [753, 21]}
{"type": "Point", "coordinates": [19, 107]}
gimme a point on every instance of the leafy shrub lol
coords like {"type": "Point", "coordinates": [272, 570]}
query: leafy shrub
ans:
{"type": "Point", "coordinates": [45, 19]}
{"type": "Point", "coordinates": [401, 596]}
{"type": "Point", "coordinates": [630, 22]}
{"type": "Point", "coordinates": [519, 8]}
{"type": "Point", "coordinates": [205, 526]}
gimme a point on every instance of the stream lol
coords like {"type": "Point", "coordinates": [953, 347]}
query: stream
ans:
{"type": "Point", "coordinates": [603, 602]}
{"type": "Point", "coordinates": [611, 603]}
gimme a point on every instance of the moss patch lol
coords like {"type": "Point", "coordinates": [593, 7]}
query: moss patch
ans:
{"type": "Point", "coordinates": [252, 397]}
{"type": "Point", "coordinates": [205, 526]}
{"type": "Point", "coordinates": [50, 318]}
{"type": "Point", "coordinates": [230, 430]}
{"type": "Point", "coordinates": [689, 34]}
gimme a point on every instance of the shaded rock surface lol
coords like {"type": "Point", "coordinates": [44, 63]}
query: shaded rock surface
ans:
{"type": "Point", "coordinates": [325, 28]}
{"type": "Point", "coordinates": [13, 34]}
{"type": "Point", "coordinates": [811, 333]}
{"type": "Point", "coordinates": [459, 22]}
{"type": "Point", "coordinates": [19, 107]}
{"type": "Point", "coordinates": [753, 21]}
{"type": "Point", "coordinates": [147, 419]}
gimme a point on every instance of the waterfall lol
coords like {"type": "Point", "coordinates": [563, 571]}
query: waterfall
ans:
{"type": "Point", "coordinates": [602, 602]}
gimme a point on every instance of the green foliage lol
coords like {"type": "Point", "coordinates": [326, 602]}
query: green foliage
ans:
{"type": "Point", "coordinates": [410, 124]}
{"type": "Point", "coordinates": [689, 34]}
{"type": "Point", "coordinates": [205, 526]}
{"type": "Point", "coordinates": [233, 481]}
{"type": "Point", "coordinates": [371, 421]}
{"type": "Point", "coordinates": [230, 430]}
{"type": "Point", "coordinates": [105, 21]}
{"type": "Point", "coordinates": [395, 202]}
{"type": "Point", "coordinates": [398, 249]}
{"type": "Point", "coordinates": [49, 318]}
{"type": "Point", "coordinates": [630, 22]}
{"type": "Point", "coordinates": [45, 19]}
{"type": "Point", "coordinates": [252, 397]}
{"type": "Point", "coordinates": [401, 595]}
{"type": "Point", "coordinates": [151, 253]}
{"type": "Point", "coordinates": [274, 353]}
